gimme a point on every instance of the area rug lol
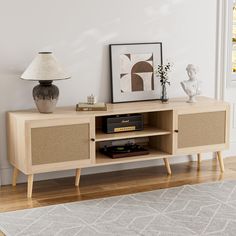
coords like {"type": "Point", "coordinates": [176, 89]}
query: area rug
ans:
{"type": "Point", "coordinates": [203, 209]}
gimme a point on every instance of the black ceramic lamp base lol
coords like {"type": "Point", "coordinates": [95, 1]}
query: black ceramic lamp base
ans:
{"type": "Point", "coordinates": [46, 96]}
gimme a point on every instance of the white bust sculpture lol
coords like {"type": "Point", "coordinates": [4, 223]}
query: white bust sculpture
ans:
{"type": "Point", "coordinates": [191, 86]}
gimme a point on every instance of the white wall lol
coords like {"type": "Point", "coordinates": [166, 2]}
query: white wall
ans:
{"type": "Point", "coordinates": [79, 32]}
{"type": "Point", "coordinates": [227, 91]}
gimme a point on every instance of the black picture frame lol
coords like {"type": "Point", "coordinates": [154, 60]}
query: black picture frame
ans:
{"type": "Point", "coordinates": [157, 54]}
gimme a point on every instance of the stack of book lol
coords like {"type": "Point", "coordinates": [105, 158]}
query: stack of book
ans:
{"type": "Point", "coordinates": [91, 107]}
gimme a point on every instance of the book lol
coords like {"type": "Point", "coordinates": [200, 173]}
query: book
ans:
{"type": "Point", "coordinates": [91, 107]}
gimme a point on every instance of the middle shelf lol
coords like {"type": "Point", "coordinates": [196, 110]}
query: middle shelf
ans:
{"type": "Point", "coordinates": [147, 131]}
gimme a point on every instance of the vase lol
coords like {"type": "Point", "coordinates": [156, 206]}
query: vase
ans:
{"type": "Point", "coordinates": [46, 96]}
{"type": "Point", "coordinates": [164, 97]}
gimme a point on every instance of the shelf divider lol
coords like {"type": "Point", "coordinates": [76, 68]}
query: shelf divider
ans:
{"type": "Point", "coordinates": [146, 132]}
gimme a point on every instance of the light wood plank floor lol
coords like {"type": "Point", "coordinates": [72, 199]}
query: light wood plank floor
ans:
{"type": "Point", "coordinates": [114, 183]}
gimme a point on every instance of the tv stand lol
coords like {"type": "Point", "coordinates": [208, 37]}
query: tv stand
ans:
{"type": "Point", "coordinates": [66, 139]}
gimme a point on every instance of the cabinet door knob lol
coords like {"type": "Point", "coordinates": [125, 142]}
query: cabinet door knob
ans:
{"type": "Point", "coordinates": [93, 139]}
{"type": "Point", "coordinates": [176, 131]}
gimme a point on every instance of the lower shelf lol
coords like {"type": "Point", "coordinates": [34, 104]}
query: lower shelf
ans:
{"type": "Point", "coordinates": [102, 159]}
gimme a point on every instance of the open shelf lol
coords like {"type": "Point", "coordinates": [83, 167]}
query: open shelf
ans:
{"type": "Point", "coordinates": [156, 136]}
{"type": "Point", "coordinates": [155, 124]}
{"type": "Point", "coordinates": [146, 132]}
{"type": "Point", "coordinates": [154, 154]}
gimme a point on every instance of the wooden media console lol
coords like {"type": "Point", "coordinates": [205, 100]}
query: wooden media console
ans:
{"type": "Point", "coordinates": [66, 139]}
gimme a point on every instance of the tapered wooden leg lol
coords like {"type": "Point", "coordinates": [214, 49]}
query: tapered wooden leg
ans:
{"type": "Point", "coordinates": [30, 186]}
{"type": "Point", "coordinates": [77, 177]}
{"type": "Point", "coordinates": [14, 176]}
{"type": "Point", "coordinates": [199, 159]}
{"type": "Point", "coordinates": [167, 164]}
{"type": "Point", "coordinates": [221, 162]}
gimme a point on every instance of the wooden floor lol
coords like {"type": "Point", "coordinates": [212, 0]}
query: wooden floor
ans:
{"type": "Point", "coordinates": [115, 183]}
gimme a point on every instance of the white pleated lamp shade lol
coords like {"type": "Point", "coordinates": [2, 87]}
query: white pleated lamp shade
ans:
{"type": "Point", "coordinates": [44, 67]}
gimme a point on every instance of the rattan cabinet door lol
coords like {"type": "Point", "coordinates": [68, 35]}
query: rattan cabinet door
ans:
{"type": "Point", "coordinates": [201, 131]}
{"type": "Point", "coordinates": [62, 142]}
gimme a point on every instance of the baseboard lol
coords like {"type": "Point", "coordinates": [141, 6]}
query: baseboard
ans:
{"type": "Point", "coordinates": [6, 173]}
{"type": "Point", "coordinates": [231, 151]}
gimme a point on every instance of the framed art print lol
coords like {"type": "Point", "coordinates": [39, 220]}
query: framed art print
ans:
{"type": "Point", "coordinates": [132, 71]}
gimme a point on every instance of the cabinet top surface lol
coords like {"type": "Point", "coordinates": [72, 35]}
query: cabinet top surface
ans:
{"type": "Point", "coordinates": [121, 108]}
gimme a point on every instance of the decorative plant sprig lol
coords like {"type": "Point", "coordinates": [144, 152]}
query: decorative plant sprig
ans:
{"type": "Point", "coordinates": [162, 71]}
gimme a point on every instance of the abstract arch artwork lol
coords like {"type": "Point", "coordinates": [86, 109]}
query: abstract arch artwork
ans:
{"type": "Point", "coordinates": [132, 71]}
{"type": "Point", "coordinates": [137, 73]}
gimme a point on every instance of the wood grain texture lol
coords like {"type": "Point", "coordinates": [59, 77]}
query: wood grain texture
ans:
{"type": "Point", "coordinates": [77, 177]}
{"type": "Point", "coordinates": [221, 162]}
{"type": "Point", "coordinates": [30, 186]}
{"type": "Point", "coordinates": [58, 191]}
{"type": "Point", "coordinates": [16, 144]}
{"type": "Point", "coordinates": [20, 148]}
{"type": "Point", "coordinates": [148, 131]}
{"type": "Point", "coordinates": [199, 158]}
{"type": "Point", "coordinates": [66, 139]}
{"type": "Point", "coordinates": [14, 176]}
{"type": "Point", "coordinates": [122, 108]}
{"type": "Point", "coordinates": [153, 155]}
{"type": "Point", "coordinates": [167, 164]}
{"type": "Point", "coordinates": [198, 114]}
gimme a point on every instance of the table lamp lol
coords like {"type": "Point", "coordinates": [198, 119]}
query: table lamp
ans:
{"type": "Point", "coordinates": [45, 69]}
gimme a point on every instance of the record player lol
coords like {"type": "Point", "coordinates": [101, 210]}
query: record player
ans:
{"type": "Point", "coordinates": [126, 150]}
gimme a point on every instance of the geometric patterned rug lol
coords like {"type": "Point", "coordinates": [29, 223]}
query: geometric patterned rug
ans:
{"type": "Point", "coordinates": [202, 209]}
